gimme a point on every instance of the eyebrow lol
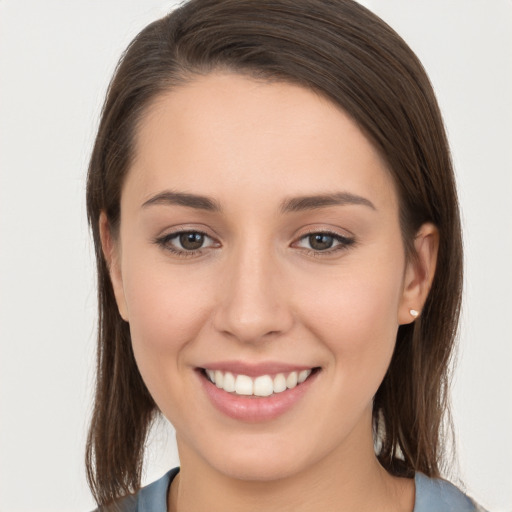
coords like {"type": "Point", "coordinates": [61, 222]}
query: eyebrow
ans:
{"type": "Point", "coordinates": [294, 204]}
{"type": "Point", "coordinates": [297, 204]}
{"type": "Point", "coordinates": [198, 202]}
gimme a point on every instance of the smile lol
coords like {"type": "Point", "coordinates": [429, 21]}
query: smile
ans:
{"type": "Point", "coordinates": [256, 393]}
{"type": "Point", "coordinates": [262, 385]}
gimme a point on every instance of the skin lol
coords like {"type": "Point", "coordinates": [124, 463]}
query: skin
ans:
{"type": "Point", "coordinates": [258, 291]}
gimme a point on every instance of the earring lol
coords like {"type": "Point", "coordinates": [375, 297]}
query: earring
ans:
{"type": "Point", "coordinates": [413, 313]}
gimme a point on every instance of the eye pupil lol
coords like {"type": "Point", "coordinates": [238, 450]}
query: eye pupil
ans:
{"type": "Point", "coordinates": [191, 241]}
{"type": "Point", "coordinates": [320, 242]}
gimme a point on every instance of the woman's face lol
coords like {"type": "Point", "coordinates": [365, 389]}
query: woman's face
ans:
{"type": "Point", "coordinates": [260, 245]}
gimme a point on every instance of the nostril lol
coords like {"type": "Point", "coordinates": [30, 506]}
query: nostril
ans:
{"type": "Point", "coordinates": [252, 323]}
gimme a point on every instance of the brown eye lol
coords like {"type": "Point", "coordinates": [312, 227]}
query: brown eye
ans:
{"type": "Point", "coordinates": [191, 241]}
{"type": "Point", "coordinates": [186, 243]}
{"type": "Point", "coordinates": [320, 241]}
{"type": "Point", "coordinates": [324, 242]}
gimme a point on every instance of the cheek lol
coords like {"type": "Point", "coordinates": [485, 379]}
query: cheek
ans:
{"type": "Point", "coordinates": [162, 313]}
{"type": "Point", "coordinates": [167, 309]}
{"type": "Point", "coordinates": [356, 315]}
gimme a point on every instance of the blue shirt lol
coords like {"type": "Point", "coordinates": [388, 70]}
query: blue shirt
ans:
{"type": "Point", "coordinates": [432, 495]}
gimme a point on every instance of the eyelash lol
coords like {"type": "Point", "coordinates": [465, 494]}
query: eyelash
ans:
{"type": "Point", "coordinates": [165, 243]}
{"type": "Point", "coordinates": [343, 243]}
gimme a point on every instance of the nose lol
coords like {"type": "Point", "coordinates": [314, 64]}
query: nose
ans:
{"type": "Point", "coordinates": [254, 300]}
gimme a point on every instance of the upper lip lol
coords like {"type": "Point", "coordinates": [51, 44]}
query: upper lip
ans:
{"type": "Point", "coordinates": [255, 369]}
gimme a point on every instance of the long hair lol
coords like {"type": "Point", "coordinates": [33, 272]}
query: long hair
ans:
{"type": "Point", "coordinates": [344, 52]}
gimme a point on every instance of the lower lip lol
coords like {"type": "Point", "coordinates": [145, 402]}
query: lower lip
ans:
{"type": "Point", "coordinates": [254, 409]}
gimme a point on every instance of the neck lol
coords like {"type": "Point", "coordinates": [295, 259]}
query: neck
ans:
{"type": "Point", "coordinates": [345, 480]}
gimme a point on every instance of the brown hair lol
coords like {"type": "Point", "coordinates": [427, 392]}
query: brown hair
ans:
{"type": "Point", "coordinates": [341, 50]}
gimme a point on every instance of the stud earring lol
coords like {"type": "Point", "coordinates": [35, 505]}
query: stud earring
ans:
{"type": "Point", "coordinates": [413, 313]}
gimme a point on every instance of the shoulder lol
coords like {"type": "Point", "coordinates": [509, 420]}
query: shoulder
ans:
{"type": "Point", "coordinates": [432, 495]}
{"type": "Point", "coordinates": [151, 498]}
{"type": "Point", "coordinates": [435, 494]}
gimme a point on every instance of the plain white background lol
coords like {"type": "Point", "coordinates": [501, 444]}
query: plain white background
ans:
{"type": "Point", "coordinates": [56, 58]}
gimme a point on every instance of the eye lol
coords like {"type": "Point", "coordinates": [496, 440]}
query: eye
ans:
{"type": "Point", "coordinates": [191, 241]}
{"type": "Point", "coordinates": [324, 242]}
{"type": "Point", "coordinates": [186, 243]}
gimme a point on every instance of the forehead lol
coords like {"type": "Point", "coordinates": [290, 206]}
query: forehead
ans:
{"type": "Point", "coordinates": [224, 133]}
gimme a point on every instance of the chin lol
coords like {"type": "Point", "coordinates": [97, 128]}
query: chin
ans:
{"type": "Point", "coordinates": [258, 469]}
{"type": "Point", "coordinates": [261, 460]}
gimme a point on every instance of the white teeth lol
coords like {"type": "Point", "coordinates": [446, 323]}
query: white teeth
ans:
{"type": "Point", "coordinates": [229, 382]}
{"type": "Point", "coordinates": [291, 380]}
{"type": "Point", "coordinates": [219, 379]}
{"type": "Point", "coordinates": [264, 385]}
{"type": "Point", "coordinates": [279, 383]}
{"type": "Point", "coordinates": [303, 375]}
{"type": "Point", "coordinates": [243, 385]}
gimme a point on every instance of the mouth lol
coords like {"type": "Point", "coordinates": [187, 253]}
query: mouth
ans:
{"type": "Point", "coordinates": [265, 385]}
{"type": "Point", "coordinates": [256, 393]}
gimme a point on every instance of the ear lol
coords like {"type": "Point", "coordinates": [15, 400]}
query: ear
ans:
{"type": "Point", "coordinates": [419, 273]}
{"type": "Point", "coordinates": [111, 253]}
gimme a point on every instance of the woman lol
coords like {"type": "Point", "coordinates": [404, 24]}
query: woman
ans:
{"type": "Point", "coordinates": [279, 264]}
